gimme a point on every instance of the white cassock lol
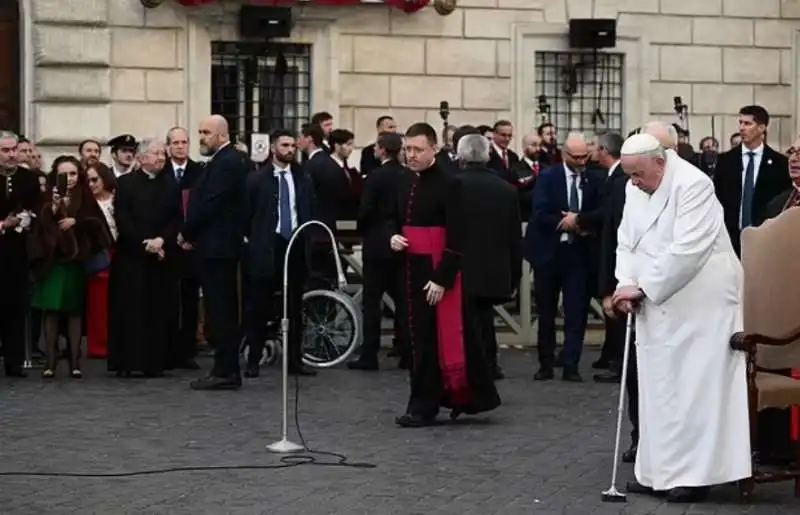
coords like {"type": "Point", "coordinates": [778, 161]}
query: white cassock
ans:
{"type": "Point", "coordinates": [693, 415]}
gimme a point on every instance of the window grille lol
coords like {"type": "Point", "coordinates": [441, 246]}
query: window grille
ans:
{"type": "Point", "coordinates": [580, 91]}
{"type": "Point", "coordinates": [260, 86]}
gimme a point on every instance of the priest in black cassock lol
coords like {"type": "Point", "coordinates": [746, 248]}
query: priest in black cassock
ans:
{"type": "Point", "coordinates": [19, 193]}
{"type": "Point", "coordinates": [448, 367]}
{"type": "Point", "coordinates": [143, 289]}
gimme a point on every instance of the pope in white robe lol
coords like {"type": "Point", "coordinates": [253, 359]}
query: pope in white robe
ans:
{"type": "Point", "coordinates": [678, 273]}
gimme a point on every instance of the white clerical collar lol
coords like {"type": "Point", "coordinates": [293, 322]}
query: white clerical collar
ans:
{"type": "Point", "coordinates": [757, 151]}
{"type": "Point", "coordinates": [338, 161]}
{"type": "Point", "coordinates": [150, 175]}
{"type": "Point", "coordinates": [384, 161]}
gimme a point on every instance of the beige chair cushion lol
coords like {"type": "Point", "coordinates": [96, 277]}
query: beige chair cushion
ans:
{"type": "Point", "coordinates": [777, 391]}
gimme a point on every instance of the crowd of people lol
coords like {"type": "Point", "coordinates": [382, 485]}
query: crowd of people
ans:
{"type": "Point", "coordinates": [122, 252]}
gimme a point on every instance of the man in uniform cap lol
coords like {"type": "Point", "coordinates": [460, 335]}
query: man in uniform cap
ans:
{"type": "Point", "coordinates": [123, 151]}
{"type": "Point", "coordinates": [677, 270]}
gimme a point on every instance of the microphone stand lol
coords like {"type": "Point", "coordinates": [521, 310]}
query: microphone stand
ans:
{"type": "Point", "coordinates": [284, 445]}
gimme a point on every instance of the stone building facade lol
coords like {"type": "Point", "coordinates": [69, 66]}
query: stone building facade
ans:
{"type": "Point", "coordinates": [97, 68]}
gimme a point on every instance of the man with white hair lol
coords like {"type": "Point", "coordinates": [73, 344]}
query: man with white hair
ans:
{"type": "Point", "coordinates": [665, 133]}
{"type": "Point", "coordinates": [492, 258]}
{"type": "Point", "coordinates": [677, 270]}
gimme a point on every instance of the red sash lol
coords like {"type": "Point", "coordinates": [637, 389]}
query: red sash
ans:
{"type": "Point", "coordinates": [430, 241]}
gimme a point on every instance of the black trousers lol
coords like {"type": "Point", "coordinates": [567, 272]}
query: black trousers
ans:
{"type": "Point", "coordinates": [265, 303]}
{"type": "Point", "coordinates": [632, 389]}
{"type": "Point", "coordinates": [322, 275]}
{"type": "Point", "coordinates": [614, 343]}
{"type": "Point", "coordinates": [381, 276]}
{"type": "Point", "coordinates": [13, 310]}
{"type": "Point", "coordinates": [185, 341]}
{"type": "Point", "coordinates": [484, 308]}
{"type": "Point", "coordinates": [218, 278]}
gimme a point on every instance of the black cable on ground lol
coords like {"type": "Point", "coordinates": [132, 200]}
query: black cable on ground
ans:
{"type": "Point", "coordinates": [293, 460]}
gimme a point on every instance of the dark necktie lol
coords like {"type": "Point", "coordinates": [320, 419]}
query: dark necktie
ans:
{"type": "Point", "coordinates": [505, 159]}
{"type": "Point", "coordinates": [178, 174]}
{"type": "Point", "coordinates": [574, 202]}
{"type": "Point", "coordinates": [748, 189]}
{"type": "Point", "coordinates": [285, 206]}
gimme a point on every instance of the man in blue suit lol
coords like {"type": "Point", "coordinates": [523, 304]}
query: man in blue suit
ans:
{"type": "Point", "coordinates": [560, 245]}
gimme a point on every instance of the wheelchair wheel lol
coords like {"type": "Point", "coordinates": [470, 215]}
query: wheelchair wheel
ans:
{"type": "Point", "coordinates": [272, 349]}
{"type": "Point", "coordinates": [331, 326]}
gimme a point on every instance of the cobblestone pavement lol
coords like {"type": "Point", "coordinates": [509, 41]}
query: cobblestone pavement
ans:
{"type": "Point", "coordinates": [546, 451]}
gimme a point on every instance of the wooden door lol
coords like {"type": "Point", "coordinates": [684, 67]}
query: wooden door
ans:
{"type": "Point", "coordinates": [10, 69]}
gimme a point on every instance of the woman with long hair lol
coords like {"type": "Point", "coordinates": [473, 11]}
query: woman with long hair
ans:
{"type": "Point", "coordinates": [71, 230]}
{"type": "Point", "coordinates": [103, 185]}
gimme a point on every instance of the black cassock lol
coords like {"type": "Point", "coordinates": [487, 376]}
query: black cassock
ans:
{"type": "Point", "coordinates": [143, 290]}
{"type": "Point", "coordinates": [449, 368]}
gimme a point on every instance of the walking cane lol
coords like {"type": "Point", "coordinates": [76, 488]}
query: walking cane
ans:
{"type": "Point", "coordinates": [612, 494]}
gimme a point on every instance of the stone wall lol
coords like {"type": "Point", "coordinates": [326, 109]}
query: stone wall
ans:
{"type": "Point", "coordinates": [717, 54]}
{"type": "Point", "coordinates": [105, 67]}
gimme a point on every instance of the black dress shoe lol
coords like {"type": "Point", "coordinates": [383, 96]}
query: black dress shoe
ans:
{"type": "Point", "coordinates": [601, 364]}
{"type": "Point", "coordinates": [685, 494]}
{"type": "Point", "coordinates": [635, 487]}
{"type": "Point", "coordinates": [301, 370]}
{"type": "Point", "coordinates": [217, 383]}
{"type": "Point", "coordinates": [544, 374]}
{"type": "Point", "coordinates": [251, 371]}
{"type": "Point", "coordinates": [629, 456]}
{"type": "Point", "coordinates": [363, 364]}
{"type": "Point", "coordinates": [571, 375]}
{"type": "Point", "coordinates": [608, 377]}
{"type": "Point", "coordinates": [497, 373]}
{"type": "Point", "coordinates": [413, 421]}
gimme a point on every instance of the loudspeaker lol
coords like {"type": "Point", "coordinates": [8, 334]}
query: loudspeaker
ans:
{"type": "Point", "coordinates": [259, 22]}
{"type": "Point", "coordinates": [592, 33]}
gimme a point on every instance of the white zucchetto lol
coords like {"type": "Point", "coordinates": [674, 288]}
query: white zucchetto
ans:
{"type": "Point", "coordinates": [640, 144]}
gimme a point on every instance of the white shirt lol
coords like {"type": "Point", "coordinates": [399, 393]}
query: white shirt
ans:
{"type": "Point", "coordinates": [315, 152]}
{"type": "Point", "coordinates": [611, 169]}
{"type": "Point", "coordinates": [569, 174]}
{"type": "Point", "coordinates": [292, 204]}
{"type": "Point", "coordinates": [176, 166]}
{"type": "Point", "coordinates": [107, 207]}
{"type": "Point", "coordinates": [759, 154]}
{"type": "Point", "coordinates": [220, 148]}
{"type": "Point", "coordinates": [500, 151]}
{"type": "Point", "coordinates": [117, 172]}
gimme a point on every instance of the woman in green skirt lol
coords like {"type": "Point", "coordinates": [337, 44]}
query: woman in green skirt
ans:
{"type": "Point", "coordinates": [70, 232]}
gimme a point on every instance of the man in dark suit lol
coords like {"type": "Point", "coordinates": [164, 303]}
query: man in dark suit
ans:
{"type": "Point", "coordinates": [560, 250]}
{"type": "Point", "coordinates": [330, 188]}
{"type": "Point", "coordinates": [324, 120]}
{"type": "Point", "coordinates": [381, 264]}
{"type": "Point", "coordinates": [527, 170]}
{"type": "Point", "coordinates": [277, 202]}
{"type": "Point", "coordinates": [749, 175]}
{"type": "Point", "coordinates": [501, 158]}
{"type": "Point", "coordinates": [214, 228]}
{"type": "Point", "coordinates": [608, 172]}
{"type": "Point", "coordinates": [492, 259]}
{"type": "Point", "coordinates": [369, 160]}
{"type": "Point", "coordinates": [184, 173]}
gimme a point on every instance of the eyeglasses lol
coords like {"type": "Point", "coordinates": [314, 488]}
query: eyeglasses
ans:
{"type": "Point", "coordinates": [577, 157]}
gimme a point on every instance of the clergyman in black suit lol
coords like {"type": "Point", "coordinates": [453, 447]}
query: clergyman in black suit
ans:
{"type": "Point", "coordinates": [214, 228]}
{"type": "Point", "coordinates": [277, 202]}
{"type": "Point", "coordinates": [369, 160]}
{"type": "Point", "coordinates": [330, 189]}
{"type": "Point", "coordinates": [381, 264]}
{"type": "Point", "coordinates": [184, 172]}
{"type": "Point", "coordinates": [502, 159]}
{"type": "Point", "coordinates": [749, 175]}
{"type": "Point", "coordinates": [492, 259]}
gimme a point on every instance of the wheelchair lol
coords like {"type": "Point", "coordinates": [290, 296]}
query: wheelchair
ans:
{"type": "Point", "coordinates": [331, 329]}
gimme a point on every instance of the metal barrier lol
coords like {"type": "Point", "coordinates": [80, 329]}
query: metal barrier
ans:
{"type": "Point", "coordinates": [523, 327]}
